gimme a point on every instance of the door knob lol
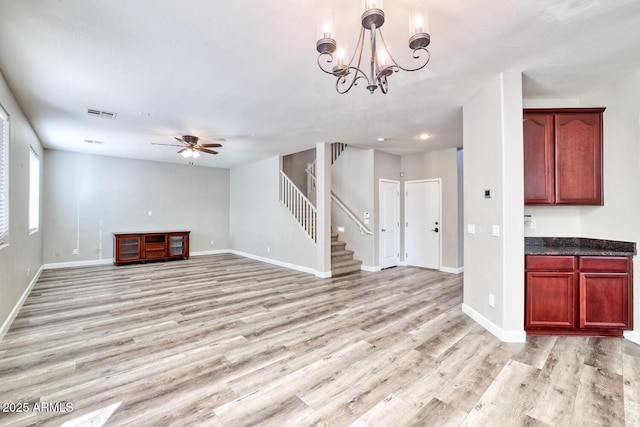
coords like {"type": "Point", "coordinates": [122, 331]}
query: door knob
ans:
{"type": "Point", "coordinates": [435, 229]}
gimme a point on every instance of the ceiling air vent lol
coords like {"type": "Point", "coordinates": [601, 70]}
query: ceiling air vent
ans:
{"type": "Point", "coordinates": [92, 141]}
{"type": "Point", "coordinates": [101, 114]}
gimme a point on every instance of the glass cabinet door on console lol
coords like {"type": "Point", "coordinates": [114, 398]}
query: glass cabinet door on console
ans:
{"type": "Point", "coordinates": [128, 247]}
{"type": "Point", "coordinates": [178, 244]}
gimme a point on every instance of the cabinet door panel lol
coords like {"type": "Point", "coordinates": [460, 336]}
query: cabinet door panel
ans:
{"type": "Point", "coordinates": [539, 182]}
{"type": "Point", "coordinates": [550, 300]}
{"type": "Point", "coordinates": [578, 153]}
{"type": "Point", "coordinates": [604, 300]}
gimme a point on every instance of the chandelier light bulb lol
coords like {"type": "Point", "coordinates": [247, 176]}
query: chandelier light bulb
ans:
{"type": "Point", "coordinates": [195, 154]}
{"type": "Point", "coordinates": [372, 4]}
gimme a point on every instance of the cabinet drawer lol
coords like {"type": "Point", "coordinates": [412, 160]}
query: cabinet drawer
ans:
{"type": "Point", "coordinates": [155, 254]}
{"type": "Point", "coordinates": [154, 246]}
{"type": "Point", "coordinates": [604, 263]}
{"type": "Point", "coordinates": [551, 263]}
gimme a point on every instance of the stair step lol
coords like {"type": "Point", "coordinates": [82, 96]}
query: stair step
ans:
{"type": "Point", "coordinates": [337, 246]}
{"type": "Point", "coordinates": [345, 267]}
{"type": "Point", "coordinates": [341, 256]}
{"type": "Point", "coordinates": [334, 237]}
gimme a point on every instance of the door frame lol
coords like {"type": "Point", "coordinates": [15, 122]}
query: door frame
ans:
{"type": "Point", "coordinates": [397, 208]}
{"type": "Point", "coordinates": [404, 218]}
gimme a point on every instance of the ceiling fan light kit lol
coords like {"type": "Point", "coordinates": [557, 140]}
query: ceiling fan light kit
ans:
{"type": "Point", "coordinates": [382, 64]}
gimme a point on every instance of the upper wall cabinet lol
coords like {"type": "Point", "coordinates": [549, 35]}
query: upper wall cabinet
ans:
{"type": "Point", "coordinates": [563, 156]}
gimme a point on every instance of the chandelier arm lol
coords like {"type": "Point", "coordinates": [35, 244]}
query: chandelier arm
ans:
{"type": "Point", "coordinates": [329, 61]}
{"type": "Point", "coordinates": [383, 84]}
{"type": "Point", "coordinates": [416, 55]}
{"type": "Point", "coordinates": [358, 49]}
{"type": "Point", "coordinates": [342, 80]}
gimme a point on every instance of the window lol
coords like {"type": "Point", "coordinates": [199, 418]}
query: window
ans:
{"type": "Point", "coordinates": [4, 177]}
{"type": "Point", "coordinates": [34, 192]}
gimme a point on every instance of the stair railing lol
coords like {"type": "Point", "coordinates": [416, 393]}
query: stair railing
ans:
{"type": "Point", "coordinates": [299, 206]}
{"type": "Point", "coordinates": [336, 149]}
{"type": "Point", "coordinates": [341, 205]}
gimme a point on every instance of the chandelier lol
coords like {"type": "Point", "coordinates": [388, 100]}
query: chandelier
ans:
{"type": "Point", "coordinates": [382, 64]}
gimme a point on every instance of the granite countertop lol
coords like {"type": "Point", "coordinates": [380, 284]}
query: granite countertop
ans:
{"type": "Point", "coordinates": [577, 246]}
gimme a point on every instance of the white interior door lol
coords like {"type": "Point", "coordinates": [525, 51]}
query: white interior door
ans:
{"type": "Point", "coordinates": [389, 223]}
{"type": "Point", "coordinates": [423, 225]}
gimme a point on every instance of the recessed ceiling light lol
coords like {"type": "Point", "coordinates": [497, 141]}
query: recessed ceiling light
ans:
{"type": "Point", "coordinates": [424, 136]}
{"type": "Point", "coordinates": [382, 139]}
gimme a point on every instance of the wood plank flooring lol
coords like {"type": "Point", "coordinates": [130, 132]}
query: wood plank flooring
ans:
{"type": "Point", "coordinates": [227, 341]}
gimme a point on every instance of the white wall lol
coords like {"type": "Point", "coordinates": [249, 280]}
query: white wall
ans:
{"type": "Point", "coordinates": [21, 259]}
{"type": "Point", "coordinates": [441, 164]}
{"type": "Point", "coordinates": [260, 226]}
{"type": "Point", "coordinates": [89, 197]}
{"type": "Point", "coordinates": [494, 265]}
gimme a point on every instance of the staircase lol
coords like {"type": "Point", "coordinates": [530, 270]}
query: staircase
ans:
{"type": "Point", "coordinates": [342, 261]}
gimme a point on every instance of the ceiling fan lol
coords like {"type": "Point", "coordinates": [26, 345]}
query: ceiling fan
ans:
{"type": "Point", "coordinates": [190, 146]}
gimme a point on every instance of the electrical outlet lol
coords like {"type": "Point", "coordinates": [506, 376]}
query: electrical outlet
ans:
{"type": "Point", "coordinates": [471, 228]}
{"type": "Point", "coordinates": [212, 241]}
{"type": "Point", "coordinates": [495, 230]}
{"type": "Point", "coordinates": [75, 252]}
{"type": "Point", "coordinates": [492, 300]}
{"type": "Point", "coordinates": [533, 224]}
{"type": "Point", "coordinates": [268, 248]}
{"type": "Point", "coordinates": [57, 252]}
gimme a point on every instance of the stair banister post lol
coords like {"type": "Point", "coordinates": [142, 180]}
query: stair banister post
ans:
{"type": "Point", "coordinates": [323, 207]}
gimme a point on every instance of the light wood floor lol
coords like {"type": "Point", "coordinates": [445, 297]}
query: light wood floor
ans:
{"type": "Point", "coordinates": [226, 341]}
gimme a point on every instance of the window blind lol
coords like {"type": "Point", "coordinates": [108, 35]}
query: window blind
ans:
{"type": "Point", "coordinates": [4, 176]}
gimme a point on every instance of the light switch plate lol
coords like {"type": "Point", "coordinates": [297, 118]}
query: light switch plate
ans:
{"type": "Point", "coordinates": [495, 230]}
{"type": "Point", "coordinates": [471, 228]}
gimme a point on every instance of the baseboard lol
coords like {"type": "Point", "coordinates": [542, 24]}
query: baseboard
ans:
{"type": "Point", "coordinates": [452, 270]}
{"type": "Point", "coordinates": [633, 336]}
{"type": "Point", "coordinates": [370, 268]}
{"type": "Point", "coordinates": [89, 263]}
{"type": "Point", "coordinates": [14, 313]}
{"type": "Point", "coordinates": [501, 334]}
{"type": "Point", "coordinates": [212, 252]}
{"type": "Point", "coordinates": [280, 263]}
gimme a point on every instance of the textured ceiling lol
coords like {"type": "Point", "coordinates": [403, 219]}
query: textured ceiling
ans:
{"type": "Point", "coordinates": [246, 70]}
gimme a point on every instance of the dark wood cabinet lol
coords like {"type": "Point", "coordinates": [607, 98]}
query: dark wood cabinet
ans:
{"type": "Point", "coordinates": [563, 156]}
{"type": "Point", "coordinates": [156, 246]}
{"type": "Point", "coordinates": [590, 295]}
{"type": "Point", "coordinates": [551, 292]}
{"type": "Point", "coordinates": [606, 292]}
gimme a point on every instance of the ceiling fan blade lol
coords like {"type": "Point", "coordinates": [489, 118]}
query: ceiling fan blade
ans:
{"type": "Point", "coordinates": [181, 141]}
{"type": "Point", "coordinates": [204, 150]}
{"type": "Point", "coordinates": [215, 139]}
{"type": "Point", "coordinates": [183, 150]}
{"type": "Point", "coordinates": [170, 145]}
{"type": "Point", "coordinates": [210, 145]}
